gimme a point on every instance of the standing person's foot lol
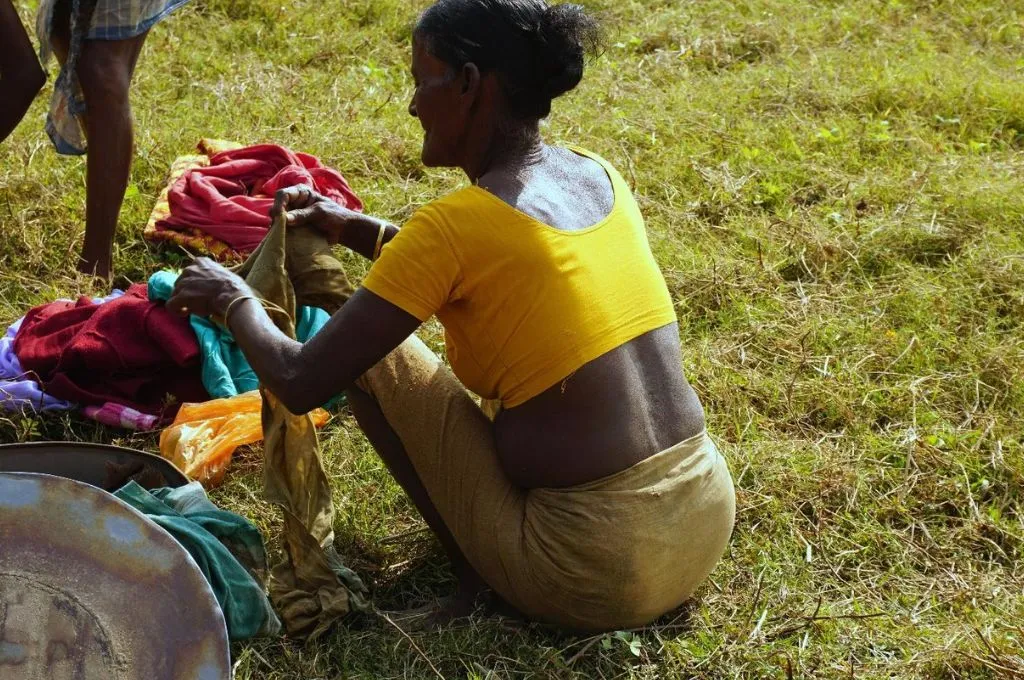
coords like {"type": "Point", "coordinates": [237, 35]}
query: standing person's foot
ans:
{"type": "Point", "coordinates": [96, 268]}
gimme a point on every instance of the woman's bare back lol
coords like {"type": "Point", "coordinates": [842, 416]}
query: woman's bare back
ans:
{"type": "Point", "coordinates": [616, 410]}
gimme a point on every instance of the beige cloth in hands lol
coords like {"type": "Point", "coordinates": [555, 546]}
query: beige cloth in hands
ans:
{"type": "Point", "coordinates": [310, 588]}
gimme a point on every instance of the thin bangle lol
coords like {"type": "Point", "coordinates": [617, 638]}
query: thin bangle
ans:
{"type": "Point", "coordinates": [380, 241]}
{"type": "Point", "coordinates": [227, 310]}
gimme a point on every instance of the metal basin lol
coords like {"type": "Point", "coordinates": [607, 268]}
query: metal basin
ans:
{"type": "Point", "coordinates": [99, 465]}
{"type": "Point", "coordinates": [90, 588]}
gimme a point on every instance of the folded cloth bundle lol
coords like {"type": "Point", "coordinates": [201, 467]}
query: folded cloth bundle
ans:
{"type": "Point", "coordinates": [230, 199]}
{"type": "Point", "coordinates": [191, 238]}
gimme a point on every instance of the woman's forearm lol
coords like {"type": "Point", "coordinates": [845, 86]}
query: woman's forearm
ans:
{"type": "Point", "coordinates": [273, 356]}
{"type": "Point", "coordinates": [304, 376]}
{"type": "Point", "coordinates": [360, 234]}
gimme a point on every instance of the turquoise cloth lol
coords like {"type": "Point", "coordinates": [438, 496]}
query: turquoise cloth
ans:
{"type": "Point", "coordinates": [226, 372]}
{"type": "Point", "coordinates": [227, 547]}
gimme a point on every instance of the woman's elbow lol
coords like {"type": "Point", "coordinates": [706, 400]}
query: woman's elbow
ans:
{"type": "Point", "coordinates": [296, 396]}
{"type": "Point", "coordinates": [299, 394]}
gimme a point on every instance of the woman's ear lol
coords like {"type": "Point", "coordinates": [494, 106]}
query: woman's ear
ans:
{"type": "Point", "coordinates": [470, 79]}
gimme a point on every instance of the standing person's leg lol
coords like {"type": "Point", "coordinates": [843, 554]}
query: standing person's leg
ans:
{"type": "Point", "coordinates": [21, 76]}
{"type": "Point", "coordinates": [105, 70]}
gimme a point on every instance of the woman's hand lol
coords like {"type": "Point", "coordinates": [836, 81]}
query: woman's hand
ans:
{"type": "Point", "coordinates": [303, 205]}
{"type": "Point", "coordinates": [206, 289]}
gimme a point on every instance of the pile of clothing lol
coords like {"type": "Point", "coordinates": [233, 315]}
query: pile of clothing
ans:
{"type": "Point", "coordinates": [127, 351]}
{"type": "Point", "coordinates": [126, 361]}
{"type": "Point", "coordinates": [20, 389]}
{"type": "Point", "coordinates": [129, 361]}
{"type": "Point", "coordinates": [218, 202]}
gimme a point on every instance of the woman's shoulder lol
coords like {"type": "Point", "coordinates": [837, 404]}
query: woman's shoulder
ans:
{"type": "Point", "coordinates": [582, 151]}
{"type": "Point", "coordinates": [610, 170]}
{"type": "Point", "coordinates": [454, 210]}
{"type": "Point", "coordinates": [455, 200]}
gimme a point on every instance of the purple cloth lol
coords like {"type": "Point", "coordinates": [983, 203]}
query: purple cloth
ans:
{"type": "Point", "coordinates": [18, 391]}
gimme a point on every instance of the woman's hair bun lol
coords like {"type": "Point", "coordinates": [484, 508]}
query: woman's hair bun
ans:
{"type": "Point", "coordinates": [538, 51]}
{"type": "Point", "coordinates": [568, 34]}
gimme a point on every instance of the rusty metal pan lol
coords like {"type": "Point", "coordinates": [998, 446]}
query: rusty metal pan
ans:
{"type": "Point", "coordinates": [89, 463]}
{"type": "Point", "coordinates": [90, 588]}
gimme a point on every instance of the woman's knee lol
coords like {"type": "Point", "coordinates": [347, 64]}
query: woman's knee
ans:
{"type": "Point", "coordinates": [361, 404]}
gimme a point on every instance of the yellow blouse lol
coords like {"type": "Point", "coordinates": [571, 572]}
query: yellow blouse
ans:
{"type": "Point", "coordinates": [523, 304]}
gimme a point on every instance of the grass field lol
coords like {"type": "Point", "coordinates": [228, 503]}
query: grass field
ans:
{"type": "Point", "coordinates": [834, 192]}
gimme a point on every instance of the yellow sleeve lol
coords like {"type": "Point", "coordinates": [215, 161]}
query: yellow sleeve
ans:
{"type": "Point", "coordinates": [417, 270]}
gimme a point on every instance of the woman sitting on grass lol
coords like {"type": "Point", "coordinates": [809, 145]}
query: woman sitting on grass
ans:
{"type": "Point", "coordinates": [594, 498]}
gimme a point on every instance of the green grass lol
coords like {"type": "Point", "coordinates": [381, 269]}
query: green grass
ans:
{"type": "Point", "coordinates": [834, 192]}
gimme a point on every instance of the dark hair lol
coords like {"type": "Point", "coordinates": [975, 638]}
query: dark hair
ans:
{"type": "Point", "coordinates": [536, 50]}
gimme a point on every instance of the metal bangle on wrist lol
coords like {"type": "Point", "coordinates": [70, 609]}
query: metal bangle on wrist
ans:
{"type": "Point", "coordinates": [227, 310]}
{"type": "Point", "coordinates": [381, 228]}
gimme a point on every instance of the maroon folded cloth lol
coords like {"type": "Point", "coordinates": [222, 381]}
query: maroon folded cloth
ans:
{"type": "Point", "coordinates": [127, 351]}
{"type": "Point", "coordinates": [231, 198]}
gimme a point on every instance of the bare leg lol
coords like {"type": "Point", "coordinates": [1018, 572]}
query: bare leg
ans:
{"type": "Point", "coordinates": [60, 30]}
{"type": "Point", "coordinates": [21, 76]}
{"type": "Point", "coordinates": [392, 452]}
{"type": "Point", "coordinates": [105, 70]}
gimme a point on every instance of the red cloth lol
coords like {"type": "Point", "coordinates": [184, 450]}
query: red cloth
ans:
{"type": "Point", "coordinates": [231, 198]}
{"type": "Point", "coordinates": [127, 351]}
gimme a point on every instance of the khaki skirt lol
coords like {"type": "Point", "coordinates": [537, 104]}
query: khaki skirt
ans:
{"type": "Point", "coordinates": [613, 553]}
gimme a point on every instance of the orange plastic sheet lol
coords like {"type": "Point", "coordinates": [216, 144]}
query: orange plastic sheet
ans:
{"type": "Point", "coordinates": [203, 436]}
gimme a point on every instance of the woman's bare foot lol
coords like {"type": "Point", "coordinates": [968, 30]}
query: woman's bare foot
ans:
{"type": "Point", "coordinates": [471, 596]}
{"type": "Point", "coordinates": [461, 605]}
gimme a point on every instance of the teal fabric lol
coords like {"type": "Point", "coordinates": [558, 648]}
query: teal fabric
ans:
{"type": "Point", "coordinates": [226, 372]}
{"type": "Point", "coordinates": [227, 547]}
